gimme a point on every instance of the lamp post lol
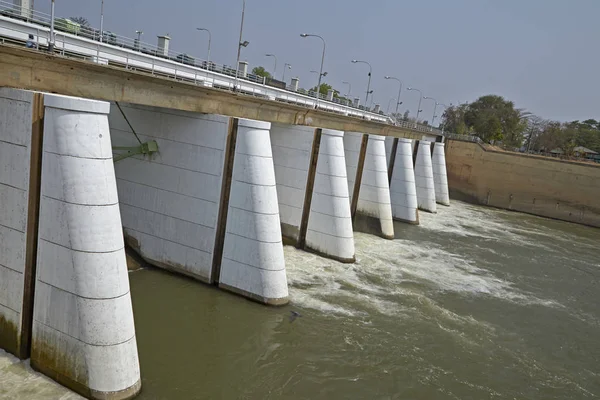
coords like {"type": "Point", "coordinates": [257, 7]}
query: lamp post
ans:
{"type": "Point", "coordinates": [434, 107]}
{"type": "Point", "coordinates": [51, 42]}
{"type": "Point", "coordinates": [305, 35]}
{"type": "Point", "coordinates": [101, 19]}
{"type": "Point", "coordinates": [438, 104]}
{"type": "Point", "coordinates": [369, 83]}
{"type": "Point", "coordinates": [398, 102]}
{"type": "Point", "coordinates": [209, 40]}
{"type": "Point", "coordinates": [420, 98]}
{"type": "Point", "coordinates": [275, 67]}
{"type": "Point", "coordinates": [285, 66]}
{"type": "Point", "coordinates": [349, 89]}
{"type": "Point", "coordinates": [240, 45]}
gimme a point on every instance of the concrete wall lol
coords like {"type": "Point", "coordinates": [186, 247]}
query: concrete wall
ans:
{"type": "Point", "coordinates": [329, 229]}
{"type": "Point", "coordinates": [292, 146]}
{"type": "Point", "coordinates": [83, 329]}
{"type": "Point", "coordinates": [15, 152]}
{"type": "Point", "coordinates": [170, 202]}
{"type": "Point", "coordinates": [542, 186]}
{"type": "Point", "coordinates": [253, 264]}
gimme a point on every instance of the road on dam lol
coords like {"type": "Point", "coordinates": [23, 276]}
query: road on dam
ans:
{"type": "Point", "coordinates": [474, 303]}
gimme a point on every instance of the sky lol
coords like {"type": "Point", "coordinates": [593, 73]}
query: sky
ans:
{"type": "Point", "coordinates": [544, 55]}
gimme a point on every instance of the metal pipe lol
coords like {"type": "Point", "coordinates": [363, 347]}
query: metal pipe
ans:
{"type": "Point", "coordinates": [398, 102]}
{"type": "Point", "coordinates": [275, 67]}
{"type": "Point", "coordinates": [209, 40]}
{"type": "Point", "coordinates": [369, 82]}
{"type": "Point", "coordinates": [434, 107]}
{"type": "Point", "coordinates": [304, 35]}
{"type": "Point", "coordinates": [237, 64]}
{"type": "Point", "coordinates": [52, 38]}
{"type": "Point", "coordinates": [101, 20]}
{"type": "Point", "coordinates": [420, 98]}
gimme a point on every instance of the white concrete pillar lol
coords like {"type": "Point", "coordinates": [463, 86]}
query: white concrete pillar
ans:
{"type": "Point", "coordinates": [170, 201]}
{"type": "Point", "coordinates": [330, 223]}
{"type": "Point", "coordinates": [440, 179]}
{"type": "Point", "coordinates": [23, 7]}
{"type": "Point", "coordinates": [295, 82]}
{"type": "Point", "coordinates": [424, 177]}
{"type": "Point", "coordinates": [83, 331]}
{"type": "Point", "coordinates": [15, 153]}
{"type": "Point", "coordinates": [389, 142]}
{"type": "Point", "coordinates": [253, 263]}
{"type": "Point", "coordinates": [352, 143]}
{"type": "Point", "coordinates": [291, 146]}
{"type": "Point", "coordinates": [403, 190]}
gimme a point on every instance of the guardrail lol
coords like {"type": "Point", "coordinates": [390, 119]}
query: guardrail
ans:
{"type": "Point", "coordinates": [108, 48]}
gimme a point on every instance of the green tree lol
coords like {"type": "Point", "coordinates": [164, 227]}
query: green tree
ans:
{"type": "Point", "coordinates": [406, 115]}
{"type": "Point", "coordinates": [453, 120]}
{"type": "Point", "coordinates": [493, 118]}
{"type": "Point", "coordinates": [325, 87]}
{"type": "Point", "coordinates": [261, 71]}
{"type": "Point", "coordinates": [81, 21]}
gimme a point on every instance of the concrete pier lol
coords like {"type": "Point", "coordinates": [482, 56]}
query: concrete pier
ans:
{"type": "Point", "coordinates": [373, 194]}
{"type": "Point", "coordinates": [424, 177]}
{"type": "Point", "coordinates": [312, 190]}
{"type": "Point", "coordinates": [329, 228]}
{"type": "Point", "coordinates": [403, 190]}
{"type": "Point", "coordinates": [253, 264]}
{"type": "Point", "coordinates": [83, 333]}
{"type": "Point", "coordinates": [440, 178]}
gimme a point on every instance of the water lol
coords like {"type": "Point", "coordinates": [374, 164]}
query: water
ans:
{"type": "Point", "coordinates": [474, 303]}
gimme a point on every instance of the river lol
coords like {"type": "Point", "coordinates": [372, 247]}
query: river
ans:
{"type": "Point", "coordinates": [475, 303]}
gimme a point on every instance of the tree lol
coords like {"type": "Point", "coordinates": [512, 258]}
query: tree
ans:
{"type": "Point", "coordinates": [406, 115]}
{"type": "Point", "coordinates": [493, 119]}
{"type": "Point", "coordinates": [453, 120]}
{"type": "Point", "coordinates": [261, 71]}
{"type": "Point", "coordinates": [81, 21]}
{"type": "Point", "coordinates": [325, 87]}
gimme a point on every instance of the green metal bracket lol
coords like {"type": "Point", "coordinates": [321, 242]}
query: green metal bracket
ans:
{"type": "Point", "coordinates": [149, 148]}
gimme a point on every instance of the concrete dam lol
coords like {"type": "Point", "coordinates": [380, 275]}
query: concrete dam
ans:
{"type": "Point", "coordinates": [204, 195]}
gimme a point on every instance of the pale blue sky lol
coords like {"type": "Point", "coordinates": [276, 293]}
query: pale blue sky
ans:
{"type": "Point", "coordinates": [542, 54]}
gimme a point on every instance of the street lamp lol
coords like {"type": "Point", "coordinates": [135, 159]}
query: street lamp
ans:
{"type": "Point", "coordinates": [285, 66]}
{"type": "Point", "coordinates": [368, 84]}
{"type": "Point", "coordinates": [101, 19]}
{"type": "Point", "coordinates": [398, 102]}
{"type": "Point", "coordinates": [275, 67]}
{"type": "Point", "coordinates": [434, 107]}
{"type": "Point", "coordinates": [209, 40]}
{"type": "Point", "coordinates": [139, 38]}
{"type": "Point", "coordinates": [241, 44]}
{"type": "Point", "coordinates": [305, 35]}
{"type": "Point", "coordinates": [438, 104]}
{"type": "Point", "coordinates": [349, 89]}
{"type": "Point", "coordinates": [387, 111]}
{"type": "Point", "coordinates": [51, 42]}
{"type": "Point", "coordinates": [420, 98]}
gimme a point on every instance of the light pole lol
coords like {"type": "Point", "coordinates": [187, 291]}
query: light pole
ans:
{"type": "Point", "coordinates": [349, 89]}
{"type": "Point", "coordinates": [275, 67]}
{"type": "Point", "coordinates": [387, 111]}
{"type": "Point", "coordinates": [51, 42]}
{"type": "Point", "coordinates": [369, 83]}
{"type": "Point", "coordinates": [304, 35]}
{"type": "Point", "coordinates": [434, 107]}
{"type": "Point", "coordinates": [420, 98]}
{"type": "Point", "coordinates": [139, 38]}
{"type": "Point", "coordinates": [240, 45]}
{"type": "Point", "coordinates": [209, 40]}
{"type": "Point", "coordinates": [285, 66]}
{"type": "Point", "coordinates": [398, 102]}
{"type": "Point", "coordinates": [101, 20]}
{"type": "Point", "coordinates": [438, 104]}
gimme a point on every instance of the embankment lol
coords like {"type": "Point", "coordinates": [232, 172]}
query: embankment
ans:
{"type": "Point", "coordinates": [564, 190]}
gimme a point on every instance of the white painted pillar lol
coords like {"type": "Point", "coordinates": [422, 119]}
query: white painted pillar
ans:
{"type": "Point", "coordinates": [253, 263]}
{"type": "Point", "coordinates": [440, 179]}
{"type": "Point", "coordinates": [424, 177]}
{"type": "Point", "coordinates": [374, 197]}
{"type": "Point", "coordinates": [292, 146]}
{"type": "Point", "coordinates": [389, 142]}
{"type": "Point", "coordinates": [403, 190]}
{"type": "Point", "coordinates": [330, 223]}
{"type": "Point", "coordinates": [83, 331]}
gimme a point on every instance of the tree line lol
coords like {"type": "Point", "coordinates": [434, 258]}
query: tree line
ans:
{"type": "Point", "coordinates": [496, 120]}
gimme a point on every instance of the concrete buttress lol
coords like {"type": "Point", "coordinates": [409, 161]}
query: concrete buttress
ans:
{"type": "Point", "coordinates": [403, 190]}
{"type": "Point", "coordinates": [424, 177]}
{"type": "Point", "coordinates": [253, 264]}
{"type": "Point", "coordinates": [440, 179]}
{"type": "Point", "coordinates": [83, 330]}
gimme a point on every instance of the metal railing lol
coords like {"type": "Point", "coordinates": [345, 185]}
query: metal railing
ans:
{"type": "Point", "coordinates": [109, 48]}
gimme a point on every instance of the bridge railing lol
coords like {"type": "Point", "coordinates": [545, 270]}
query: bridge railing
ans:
{"type": "Point", "coordinates": [109, 48]}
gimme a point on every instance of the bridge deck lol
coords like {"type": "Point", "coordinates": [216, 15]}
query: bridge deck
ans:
{"type": "Point", "coordinates": [34, 70]}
